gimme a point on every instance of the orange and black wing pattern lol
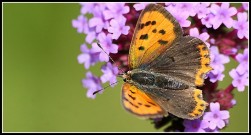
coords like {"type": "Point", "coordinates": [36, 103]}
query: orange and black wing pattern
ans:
{"type": "Point", "coordinates": [139, 103]}
{"type": "Point", "coordinates": [155, 31]}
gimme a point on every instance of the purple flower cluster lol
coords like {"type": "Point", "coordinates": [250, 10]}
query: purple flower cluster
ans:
{"type": "Point", "coordinates": [217, 63]}
{"type": "Point", "coordinates": [107, 23]}
{"type": "Point", "coordinates": [240, 74]}
{"type": "Point", "coordinates": [222, 26]}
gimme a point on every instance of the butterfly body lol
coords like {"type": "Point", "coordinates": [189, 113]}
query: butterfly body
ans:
{"type": "Point", "coordinates": [165, 68]}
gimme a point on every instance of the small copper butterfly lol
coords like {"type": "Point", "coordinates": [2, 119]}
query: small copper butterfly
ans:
{"type": "Point", "coordinates": [165, 68]}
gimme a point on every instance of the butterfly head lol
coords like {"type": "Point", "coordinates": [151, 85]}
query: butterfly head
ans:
{"type": "Point", "coordinates": [126, 76]}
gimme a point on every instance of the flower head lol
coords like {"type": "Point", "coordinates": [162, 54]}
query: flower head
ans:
{"type": "Point", "coordinates": [208, 20]}
{"type": "Point", "coordinates": [241, 25]}
{"type": "Point", "coordinates": [110, 73]}
{"type": "Point", "coordinates": [92, 83]}
{"type": "Point", "coordinates": [196, 125]}
{"type": "Point", "coordinates": [223, 14]}
{"type": "Point", "coordinates": [118, 27]}
{"type": "Point", "coordinates": [88, 57]}
{"type": "Point", "coordinates": [81, 24]}
{"type": "Point", "coordinates": [216, 117]}
{"type": "Point", "coordinates": [140, 6]}
{"type": "Point", "coordinates": [245, 5]}
{"type": "Point", "coordinates": [217, 63]}
{"type": "Point", "coordinates": [107, 46]}
{"type": "Point", "coordinates": [202, 10]}
{"type": "Point", "coordinates": [243, 60]}
{"type": "Point", "coordinates": [115, 10]}
{"type": "Point", "coordinates": [180, 17]}
{"type": "Point", "coordinates": [239, 80]}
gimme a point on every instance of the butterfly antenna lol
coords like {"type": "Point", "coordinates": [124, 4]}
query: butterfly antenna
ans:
{"type": "Point", "coordinates": [122, 71]}
{"type": "Point", "coordinates": [95, 92]}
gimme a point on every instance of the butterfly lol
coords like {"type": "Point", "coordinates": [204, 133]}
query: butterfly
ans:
{"type": "Point", "coordinates": [164, 68]}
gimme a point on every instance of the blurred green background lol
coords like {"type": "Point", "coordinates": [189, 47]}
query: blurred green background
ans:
{"type": "Point", "coordinates": [42, 89]}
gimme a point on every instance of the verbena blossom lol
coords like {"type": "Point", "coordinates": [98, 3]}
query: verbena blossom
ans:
{"type": "Point", "coordinates": [223, 14]}
{"type": "Point", "coordinates": [140, 6]}
{"type": "Point", "coordinates": [196, 125]}
{"type": "Point", "coordinates": [92, 83]}
{"type": "Point", "coordinates": [208, 20]}
{"type": "Point", "coordinates": [241, 25]}
{"type": "Point", "coordinates": [80, 24]}
{"type": "Point", "coordinates": [108, 29]}
{"type": "Point", "coordinates": [217, 63]}
{"type": "Point", "coordinates": [110, 73]}
{"type": "Point", "coordinates": [216, 116]}
{"type": "Point", "coordinates": [117, 27]}
{"type": "Point", "coordinates": [115, 10]}
{"type": "Point", "coordinates": [243, 61]}
{"type": "Point", "coordinates": [202, 10]}
{"type": "Point", "coordinates": [240, 80]}
{"type": "Point", "coordinates": [203, 36]}
{"type": "Point", "coordinates": [245, 5]}
{"type": "Point", "coordinates": [88, 57]}
{"type": "Point", "coordinates": [181, 18]}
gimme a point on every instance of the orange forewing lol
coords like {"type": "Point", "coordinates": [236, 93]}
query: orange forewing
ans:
{"type": "Point", "coordinates": [155, 31]}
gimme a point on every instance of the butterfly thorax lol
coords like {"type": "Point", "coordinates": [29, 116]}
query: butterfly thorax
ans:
{"type": "Point", "coordinates": [142, 78]}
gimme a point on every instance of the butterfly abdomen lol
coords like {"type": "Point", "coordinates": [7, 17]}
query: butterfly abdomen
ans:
{"type": "Point", "coordinates": [150, 79]}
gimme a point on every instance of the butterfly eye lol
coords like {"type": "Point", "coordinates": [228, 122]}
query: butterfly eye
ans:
{"type": "Point", "coordinates": [124, 79]}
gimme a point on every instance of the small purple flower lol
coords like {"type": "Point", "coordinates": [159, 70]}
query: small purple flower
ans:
{"type": "Point", "coordinates": [98, 21]}
{"type": "Point", "coordinates": [110, 73]}
{"type": "Point", "coordinates": [81, 24]}
{"type": "Point", "coordinates": [245, 5]}
{"type": "Point", "coordinates": [208, 20]}
{"type": "Point", "coordinates": [218, 60]}
{"type": "Point", "coordinates": [216, 117]}
{"type": "Point", "coordinates": [180, 17]}
{"type": "Point", "coordinates": [115, 10]}
{"type": "Point", "coordinates": [118, 27]}
{"type": "Point", "coordinates": [87, 7]}
{"type": "Point", "coordinates": [239, 80]}
{"type": "Point", "coordinates": [216, 75]}
{"type": "Point", "coordinates": [189, 8]}
{"type": "Point", "coordinates": [223, 15]}
{"type": "Point", "coordinates": [243, 60]}
{"type": "Point", "coordinates": [196, 125]}
{"type": "Point", "coordinates": [140, 6]}
{"type": "Point", "coordinates": [203, 36]}
{"type": "Point", "coordinates": [106, 43]}
{"type": "Point", "coordinates": [202, 10]}
{"type": "Point", "coordinates": [241, 25]}
{"type": "Point", "coordinates": [92, 83]}
{"type": "Point", "coordinates": [216, 130]}
{"type": "Point", "coordinates": [88, 56]}
{"type": "Point", "coordinates": [217, 63]}
{"type": "Point", "coordinates": [90, 35]}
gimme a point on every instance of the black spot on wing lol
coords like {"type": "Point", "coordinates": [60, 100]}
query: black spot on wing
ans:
{"type": "Point", "coordinates": [154, 31]}
{"type": "Point", "coordinates": [153, 22]}
{"type": "Point", "coordinates": [133, 98]}
{"type": "Point", "coordinates": [148, 23]}
{"type": "Point", "coordinates": [162, 42]}
{"type": "Point", "coordinates": [151, 103]}
{"type": "Point", "coordinates": [142, 25]}
{"type": "Point", "coordinates": [132, 92]}
{"type": "Point", "coordinates": [141, 48]}
{"type": "Point", "coordinates": [147, 105]}
{"type": "Point", "coordinates": [144, 37]}
{"type": "Point", "coordinates": [162, 32]}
